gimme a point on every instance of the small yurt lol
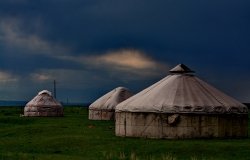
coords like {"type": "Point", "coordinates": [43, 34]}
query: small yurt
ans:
{"type": "Point", "coordinates": [43, 105]}
{"type": "Point", "coordinates": [104, 107]}
{"type": "Point", "coordinates": [181, 106]}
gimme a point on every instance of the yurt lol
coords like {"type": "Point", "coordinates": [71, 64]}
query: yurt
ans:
{"type": "Point", "coordinates": [104, 107]}
{"type": "Point", "coordinates": [43, 105]}
{"type": "Point", "coordinates": [181, 106]}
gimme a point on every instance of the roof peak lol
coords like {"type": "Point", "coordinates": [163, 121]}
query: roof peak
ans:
{"type": "Point", "coordinates": [181, 68]}
{"type": "Point", "coordinates": [45, 92]}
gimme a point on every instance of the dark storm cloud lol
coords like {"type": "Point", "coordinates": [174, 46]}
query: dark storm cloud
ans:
{"type": "Point", "coordinates": [174, 25]}
{"type": "Point", "coordinates": [44, 38]}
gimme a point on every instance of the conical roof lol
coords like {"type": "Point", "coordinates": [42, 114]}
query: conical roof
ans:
{"type": "Point", "coordinates": [43, 98]}
{"type": "Point", "coordinates": [110, 100]}
{"type": "Point", "coordinates": [181, 93]}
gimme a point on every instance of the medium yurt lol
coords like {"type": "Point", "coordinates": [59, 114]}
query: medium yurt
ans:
{"type": "Point", "coordinates": [181, 106]}
{"type": "Point", "coordinates": [43, 105]}
{"type": "Point", "coordinates": [104, 107]}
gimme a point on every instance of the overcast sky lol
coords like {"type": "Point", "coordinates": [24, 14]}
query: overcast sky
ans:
{"type": "Point", "coordinates": [92, 46]}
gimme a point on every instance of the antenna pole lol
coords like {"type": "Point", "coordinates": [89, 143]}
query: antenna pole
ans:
{"type": "Point", "coordinates": [55, 88]}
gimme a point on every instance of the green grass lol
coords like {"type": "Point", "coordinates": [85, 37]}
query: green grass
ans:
{"type": "Point", "coordinates": [75, 137]}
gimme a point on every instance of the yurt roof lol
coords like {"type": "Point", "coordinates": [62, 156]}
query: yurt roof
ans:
{"type": "Point", "coordinates": [44, 98]}
{"type": "Point", "coordinates": [181, 92]}
{"type": "Point", "coordinates": [111, 99]}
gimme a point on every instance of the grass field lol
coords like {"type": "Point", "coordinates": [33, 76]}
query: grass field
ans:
{"type": "Point", "coordinates": [75, 137]}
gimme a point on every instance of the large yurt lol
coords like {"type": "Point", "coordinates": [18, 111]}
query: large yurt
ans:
{"type": "Point", "coordinates": [43, 105]}
{"type": "Point", "coordinates": [104, 107]}
{"type": "Point", "coordinates": [181, 106]}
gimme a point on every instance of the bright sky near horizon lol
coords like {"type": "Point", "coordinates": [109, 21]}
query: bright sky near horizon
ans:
{"type": "Point", "coordinates": [90, 47]}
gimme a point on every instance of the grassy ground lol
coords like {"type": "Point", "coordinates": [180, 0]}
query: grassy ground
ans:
{"type": "Point", "coordinates": [75, 137]}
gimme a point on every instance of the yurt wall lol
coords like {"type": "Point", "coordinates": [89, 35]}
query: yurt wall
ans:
{"type": "Point", "coordinates": [43, 111]}
{"type": "Point", "coordinates": [155, 125]}
{"type": "Point", "coordinates": [101, 114]}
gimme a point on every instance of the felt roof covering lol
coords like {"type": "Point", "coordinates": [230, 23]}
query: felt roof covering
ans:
{"type": "Point", "coordinates": [182, 92]}
{"type": "Point", "coordinates": [110, 100]}
{"type": "Point", "coordinates": [43, 98]}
